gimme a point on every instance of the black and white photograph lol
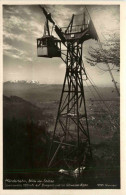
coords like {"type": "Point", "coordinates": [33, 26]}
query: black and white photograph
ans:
{"type": "Point", "coordinates": [61, 96]}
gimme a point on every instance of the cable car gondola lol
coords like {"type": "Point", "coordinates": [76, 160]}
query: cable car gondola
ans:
{"type": "Point", "coordinates": [48, 45]}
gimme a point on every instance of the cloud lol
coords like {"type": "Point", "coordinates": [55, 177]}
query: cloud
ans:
{"type": "Point", "coordinates": [22, 24]}
{"type": "Point", "coordinates": [20, 30]}
{"type": "Point", "coordinates": [19, 24]}
{"type": "Point", "coordinates": [13, 52]}
{"type": "Point", "coordinates": [61, 14]}
{"type": "Point", "coordinates": [7, 47]}
{"type": "Point", "coordinates": [18, 37]}
{"type": "Point", "coordinates": [27, 11]}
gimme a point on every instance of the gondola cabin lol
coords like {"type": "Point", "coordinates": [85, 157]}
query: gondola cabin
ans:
{"type": "Point", "coordinates": [48, 46]}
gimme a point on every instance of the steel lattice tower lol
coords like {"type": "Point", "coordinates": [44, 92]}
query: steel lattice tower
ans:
{"type": "Point", "coordinates": [71, 134]}
{"type": "Point", "coordinates": [70, 145]}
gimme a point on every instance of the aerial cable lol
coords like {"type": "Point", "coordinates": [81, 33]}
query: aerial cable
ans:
{"type": "Point", "coordinates": [75, 66]}
{"type": "Point", "coordinates": [90, 90]}
{"type": "Point", "coordinates": [100, 71]}
{"type": "Point", "coordinates": [51, 20]}
{"type": "Point", "coordinates": [95, 88]}
{"type": "Point", "coordinates": [93, 85]}
{"type": "Point", "coordinates": [113, 80]}
{"type": "Point", "coordinates": [105, 69]}
{"type": "Point", "coordinates": [95, 96]}
{"type": "Point", "coordinates": [108, 110]}
{"type": "Point", "coordinates": [99, 102]}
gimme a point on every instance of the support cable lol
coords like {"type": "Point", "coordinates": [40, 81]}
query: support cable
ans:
{"type": "Point", "coordinates": [113, 80]}
{"type": "Point", "coordinates": [99, 102]}
{"type": "Point", "coordinates": [95, 88]}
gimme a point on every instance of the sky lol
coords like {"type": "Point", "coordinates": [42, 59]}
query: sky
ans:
{"type": "Point", "coordinates": [23, 24]}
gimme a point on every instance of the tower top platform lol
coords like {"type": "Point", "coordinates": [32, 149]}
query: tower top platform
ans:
{"type": "Point", "coordinates": [80, 28]}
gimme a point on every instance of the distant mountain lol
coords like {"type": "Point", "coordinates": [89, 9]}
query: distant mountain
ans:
{"type": "Point", "coordinates": [40, 93]}
{"type": "Point", "coordinates": [22, 82]}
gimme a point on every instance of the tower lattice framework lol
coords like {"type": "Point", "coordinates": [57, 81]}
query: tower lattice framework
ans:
{"type": "Point", "coordinates": [70, 146]}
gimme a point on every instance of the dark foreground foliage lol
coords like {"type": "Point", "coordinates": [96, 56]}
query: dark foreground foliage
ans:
{"type": "Point", "coordinates": [26, 143]}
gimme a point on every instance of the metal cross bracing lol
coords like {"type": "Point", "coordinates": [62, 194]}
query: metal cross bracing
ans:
{"type": "Point", "coordinates": [71, 141]}
{"type": "Point", "coordinates": [70, 145]}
